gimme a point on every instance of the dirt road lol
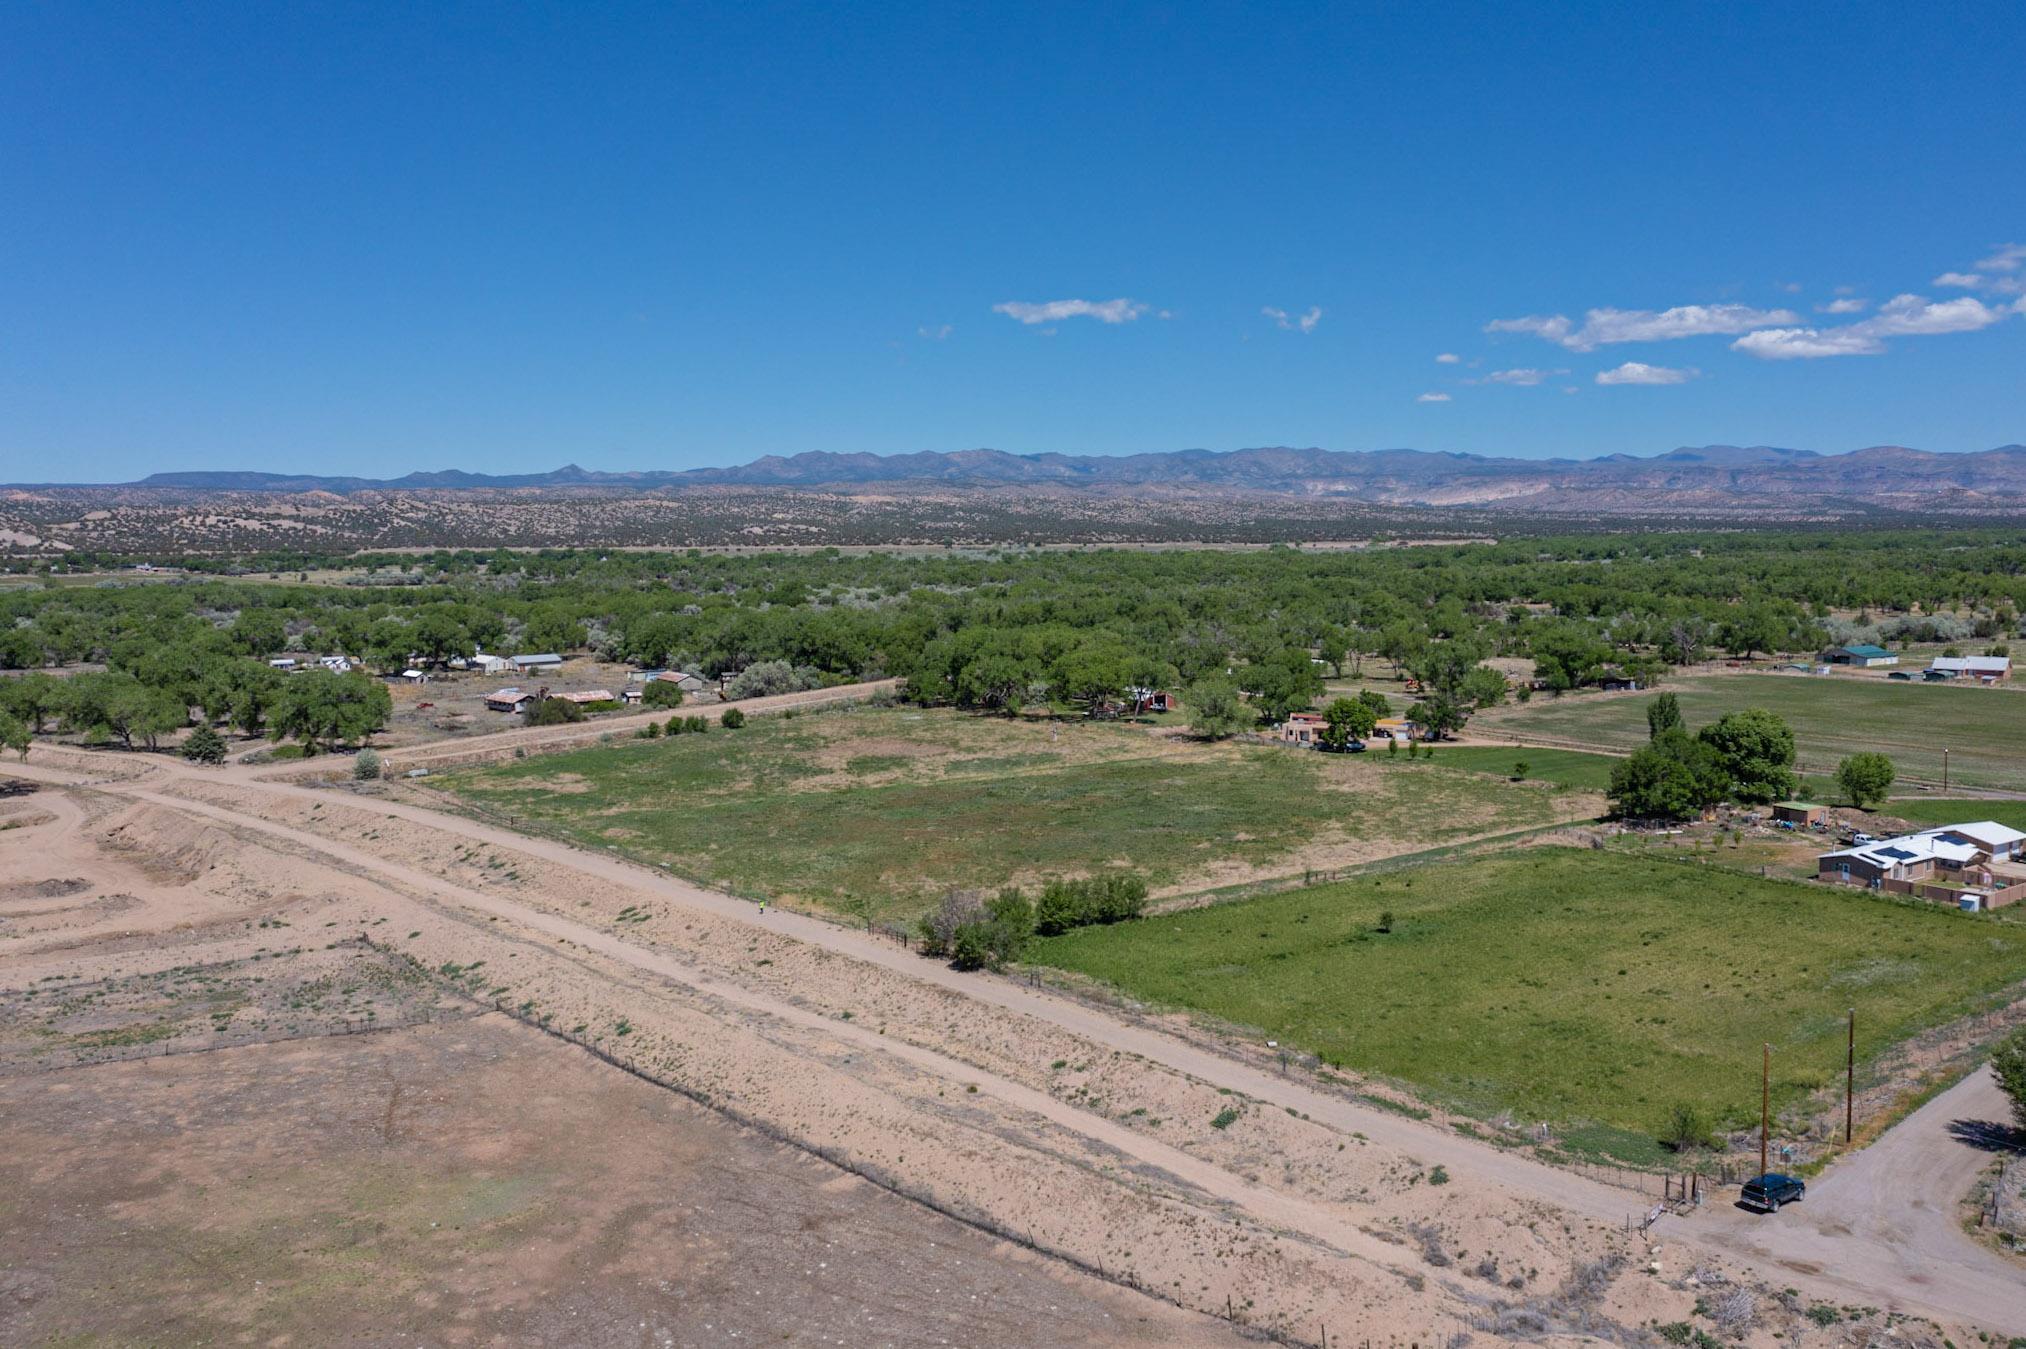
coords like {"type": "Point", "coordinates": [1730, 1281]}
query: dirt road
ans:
{"type": "Point", "coordinates": [1888, 1218]}
{"type": "Point", "coordinates": [499, 744]}
{"type": "Point", "coordinates": [1854, 1244]}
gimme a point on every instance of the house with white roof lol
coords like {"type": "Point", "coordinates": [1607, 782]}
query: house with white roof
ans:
{"type": "Point", "coordinates": [1973, 866]}
{"type": "Point", "coordinates": [1989, 669]}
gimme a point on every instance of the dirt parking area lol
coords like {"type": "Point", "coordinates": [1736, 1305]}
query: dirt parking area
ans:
{"type": "Point", "coordinates": [476, 1182]}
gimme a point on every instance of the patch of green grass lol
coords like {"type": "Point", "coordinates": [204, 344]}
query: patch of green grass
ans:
{"type": "Point", "coordinates": [1831, 716]}
{"type": "Point", "coordinates": [1563, 767]}
{"type": "Point", "coordinates": [1568, 985]}
{"type": "Point", "coordinates": [780, 809]}
{"type": "Point", "coordinates": [1924, 811]}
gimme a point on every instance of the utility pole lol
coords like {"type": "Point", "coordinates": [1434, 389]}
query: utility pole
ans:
{"type": "Point", "coordinates": [1765, 1107]}
{"type": "Point", "coordinates": [1850, 1081]}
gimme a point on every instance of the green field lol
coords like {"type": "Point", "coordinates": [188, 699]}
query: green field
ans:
{"type": "Point", "coordinates": [894, 806]}
{"type": "Point", "coordinates": [1925, 812]}
{"type": "Point", "coordinates": [1567, 986]}
{"type": "Point", "coordinates": [1563, 767]}
{"type": "Point", "coordinates": [1983, 728]}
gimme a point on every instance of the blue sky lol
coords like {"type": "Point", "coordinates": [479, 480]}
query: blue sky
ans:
{"type": "Point", "coordinates": [379, 238]}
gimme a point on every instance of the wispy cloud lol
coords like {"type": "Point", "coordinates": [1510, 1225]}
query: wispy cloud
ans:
{"type": "Point", "coordinates": [1901, 316]}
{"type": "Point", "coordinates": [1054, 311]}
{"type": "Point", "coordinates": [939, 333]}
{"type": "Point", "coordinates": [1637, 372]}
{"type": "Point", "coordinates": [1304, 323]}
{"type": "Point", "coordinates": [1447, 358]}
{"type": "Point", "coordinates": [1846, 305]}
{"type": "Point", "coordinates": [1525, 376]}
{"type": "Point", "coordinates": [1433, 398]}
{"type": "Point", "coordinates": [1603, 327]}
{"type": "Point", "coordinates": [1959, 280]}
{"type": "Point", "coordinates": [2004, 258]}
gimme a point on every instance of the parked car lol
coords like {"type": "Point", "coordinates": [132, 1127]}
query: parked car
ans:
{"type": "Point", "coordinates": [1766, 1193]}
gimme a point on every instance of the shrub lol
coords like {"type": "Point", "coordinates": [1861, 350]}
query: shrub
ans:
{"type": "Point", "coordinates": [2008, 1062]}
{"type": "Point", "coordinates": [660, 693]}
{"type": "Point", "coordinates": [1112, 897]}
{"type": "Point", "coordinates": [1520, 768]}
{"type": "Point", "coordinates": [554, 712]}
{"type": "Point", "coordinates": [732, 719]}
{"type": "Point", "coordinates": [366, 767]}
{"type": "Point", "coordinates": [765, 679]}
{"type": "Point", "coordinates": [1386, 920]}
{"type": "Point", "coordinates": [695, 725]}
{"type": "Point", "coordinates": [1226, 1117]}
{"type": "Point", "coordinates": [1686, 1129]}
{"type": "Point", "coordinates": [676, 726]}
{"type": "Point", "coordinates": [204, 746]}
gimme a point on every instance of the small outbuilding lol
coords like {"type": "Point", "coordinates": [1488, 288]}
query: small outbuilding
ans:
{"type": "Point", "coordinates": [508, 700]}
{"type": "Point", "coordinates": [545, 660]}
{"type": "Point", "coordinates": [1801, 814]}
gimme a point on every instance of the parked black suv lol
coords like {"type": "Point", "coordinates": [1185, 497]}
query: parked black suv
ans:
{"type": "Point", "coordinates": [1769, 1191]}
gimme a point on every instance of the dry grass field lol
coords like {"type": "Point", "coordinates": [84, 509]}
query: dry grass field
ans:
{"type": "Point", "coordinates": [895, 805]}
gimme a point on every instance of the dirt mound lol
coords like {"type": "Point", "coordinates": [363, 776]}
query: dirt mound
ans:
{"type": "Point", "coordinates": [171, 849]}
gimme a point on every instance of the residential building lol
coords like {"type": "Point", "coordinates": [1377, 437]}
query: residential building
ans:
{"type": "Point", "coordinates": [1973, 866]}
{"type": "Point", "coordinates": [508, 700]}
{"type": "Point", "coordinates": [1400, 729]}
{"type": "Point", "coordinates": [546, 660]}
{"type": "Point", "coordinates": [1303, 728]}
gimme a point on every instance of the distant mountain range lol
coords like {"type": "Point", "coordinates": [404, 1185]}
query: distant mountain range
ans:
{"type": "Point", "coordinates": [1707, 477]}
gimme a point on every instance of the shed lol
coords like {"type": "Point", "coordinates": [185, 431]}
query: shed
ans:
{"type": "Point", "coordinates": [508, 700]}
{"type": "Point", "coordinates": [1799, 812]}
{"type": "Point", "coordinates": [546, 660]}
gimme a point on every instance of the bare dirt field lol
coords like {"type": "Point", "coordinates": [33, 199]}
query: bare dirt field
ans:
{"type": "Point", "coordinates": [477, 1182]}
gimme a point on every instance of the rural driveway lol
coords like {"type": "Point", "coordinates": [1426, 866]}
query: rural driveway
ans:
{"type": "Point", "coordinates": [1889, 1217]}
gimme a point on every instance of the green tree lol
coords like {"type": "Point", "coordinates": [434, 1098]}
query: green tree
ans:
{"type": "Point", "coordinates": [204, 745]}
{"type": "Point", "coordinates": [34, 697]}
{"type": "Point", "coordinates": [321, 708]}
{"type": "Point", "coordinates": [1865, 777]}
{"type": "Point", "coordinates": [1347, 719]}
{"type": "Point", "coordinates": [1674, 777]}
{"type": "Point", "coordinates": [1663, 714]}
{"type": "Point", "coordinates": [1286, 681]}
{"type": "Point", "coordinates": [1215, 710]}
{"type": "Point", "coordinates": [14, 734]}
{"type": "Point", "coordinates": [1686, 1129]}
{"type": "Point", "coordinates": [2008, 1065]}
{"type": "Point", "coordinates": [1755, 749]}
{"type": "Point", "coordinates": [732, 719]}
{"type": "Point", "coordinates": [660, 693]}
{"type": "Point", "coordinates": [553, 712]}
{"type": "Point", "coordinates": [1568, 657]}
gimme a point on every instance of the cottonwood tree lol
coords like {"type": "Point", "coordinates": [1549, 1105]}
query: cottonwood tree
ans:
{"type": "Point", "coordinates": [1865, 778]}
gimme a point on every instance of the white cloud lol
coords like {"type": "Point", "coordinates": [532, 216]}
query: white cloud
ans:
{"type": "Point", "coordinates": [1602, 327]}
{"type": "Point", "coordinates": [1297, 323]}
{"type": "Point", "coordinates": [1916, 316]}
{"type": "Point", "coordinates": [1960, 280]}
{"type": "Point", "coordinates": [1447, 358]}
{"type": "Point", "coordinates": [1637, 372]}
{"type": "Point", "coordinates": [1847, 305]}
{"type": "Point", "coordinates": [1791, 287]}
{"type": "Point", "coordinates": [1901, 316]}
{"type": "Point", "coordinates": [1052, 311]}
{"type": "Point", "coordinates": [936, 334]}
{"type": "Point", "coordinates": [2005, 258]}
{"type": "Point", "coordinates": [1433, 398]}
{"type": "Point", "coordinates": [1526, 377]}
{"type": "Point", "coordinates": [1789, 344]}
